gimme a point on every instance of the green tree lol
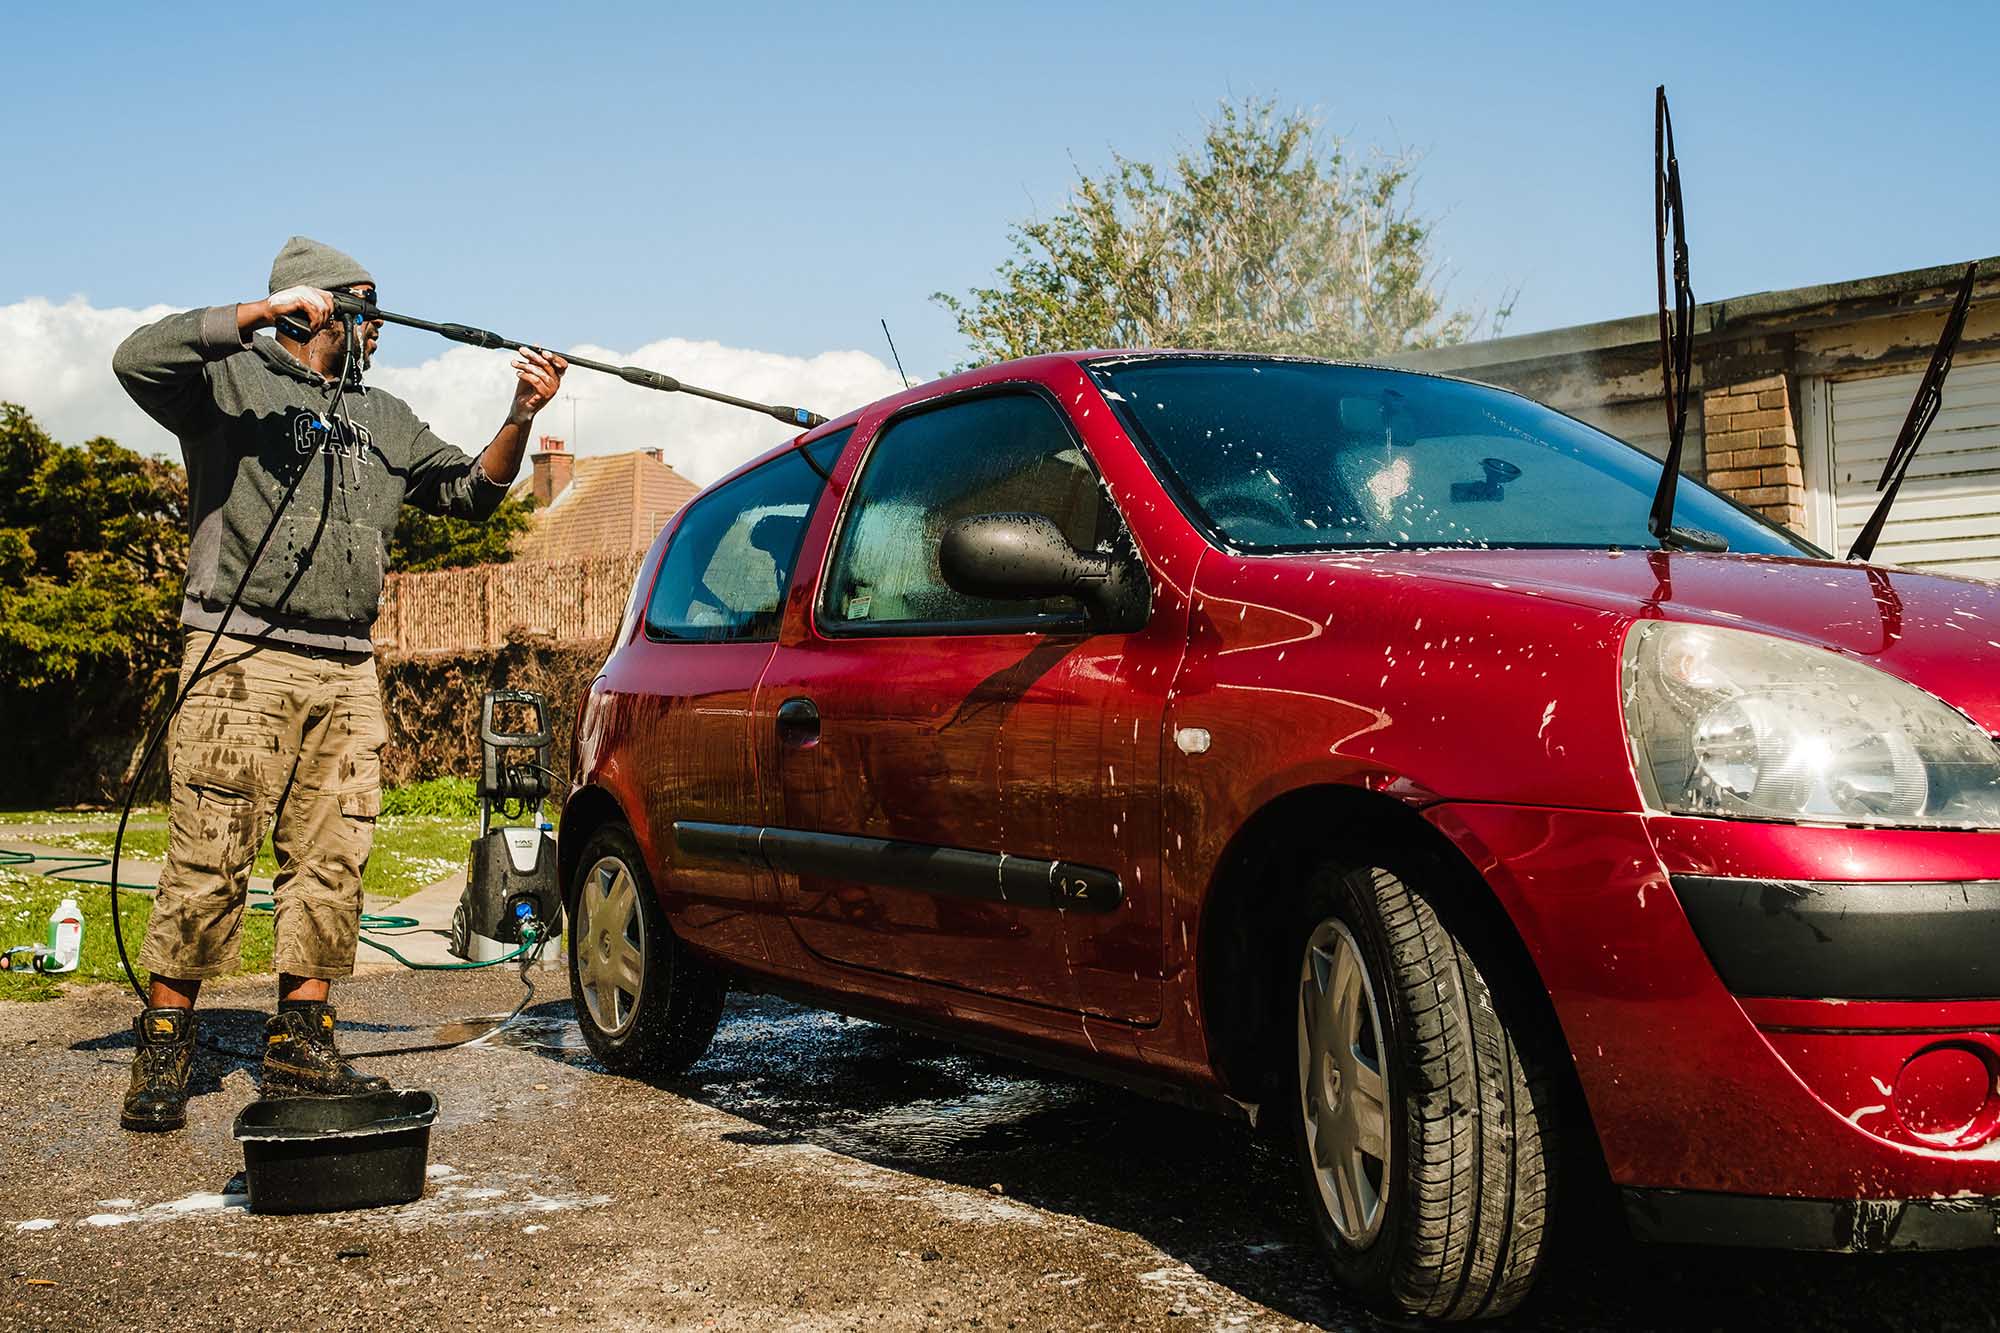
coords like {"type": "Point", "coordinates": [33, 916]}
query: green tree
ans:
{"type": "Point", "coordinates": [93, 548]}
{"type": "Point", "coordinates": [1265, 237]}
{"type": "Point", "coordinates": [423, 541]}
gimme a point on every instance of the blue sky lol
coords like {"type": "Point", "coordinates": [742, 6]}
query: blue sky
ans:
{"type": "Point", "coordinates": [778, 177]}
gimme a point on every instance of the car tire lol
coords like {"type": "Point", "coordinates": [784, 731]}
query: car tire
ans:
{"type": "Point", "coordinates": [1421, 1125]}
{"type": "Point", "coordinates": [647, 1003]}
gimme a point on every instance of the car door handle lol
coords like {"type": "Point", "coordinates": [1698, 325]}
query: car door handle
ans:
{"type": "Point", "coordinates": [798, 723]}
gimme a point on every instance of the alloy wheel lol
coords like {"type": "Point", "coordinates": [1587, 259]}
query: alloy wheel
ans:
{"type": "Point", "coordinates": [1344, 1093]}
{"type": "Point", "coordinates": [610, 945]}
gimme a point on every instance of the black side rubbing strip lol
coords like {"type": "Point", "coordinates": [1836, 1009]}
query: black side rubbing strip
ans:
{"type": "Point", "coordinates": [1844, 1226]}
{"type": "Point", "coordinates": [1809, 939]}
{"type": "Point", "coordinates": [958, 872]}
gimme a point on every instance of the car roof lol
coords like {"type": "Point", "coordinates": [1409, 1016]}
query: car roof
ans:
{"type": "Point", "coordinates": [1034, 367]}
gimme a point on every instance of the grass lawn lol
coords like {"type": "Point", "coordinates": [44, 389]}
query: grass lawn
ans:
{"type": "Point", "coordinates": [27, 900]}
{"type": "Point", "coordinates": [422, 840]}
{"type": "Point", "coordinates": [411, 851]}
{"type": "Point", "coordinates": [140, 812]}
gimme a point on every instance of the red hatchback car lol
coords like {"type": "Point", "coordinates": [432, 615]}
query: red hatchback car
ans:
{"type": "Point", "coordinates": [1329, 745]}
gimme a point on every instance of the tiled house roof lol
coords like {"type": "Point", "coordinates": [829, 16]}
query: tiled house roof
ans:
{"type": "Point", "coordinates": [613, 504]}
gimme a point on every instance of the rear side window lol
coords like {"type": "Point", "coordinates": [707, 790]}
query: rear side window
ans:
{"type": "Point", "coordinates": [1006, 453]}
{"type": "Point", "coordinates": [724, 576]}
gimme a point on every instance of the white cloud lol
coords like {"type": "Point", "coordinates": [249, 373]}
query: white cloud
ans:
{"type": "Point", "coordinates": [55, 360]}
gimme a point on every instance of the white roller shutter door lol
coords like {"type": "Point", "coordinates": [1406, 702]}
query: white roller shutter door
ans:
{"type": "Point", "coordinates": [1947, 517]}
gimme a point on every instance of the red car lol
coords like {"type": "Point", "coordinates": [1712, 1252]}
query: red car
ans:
{"type": "Point", "coordinates": [1328, 745]}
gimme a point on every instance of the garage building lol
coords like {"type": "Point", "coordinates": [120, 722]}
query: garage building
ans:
{"type": "Point", "coordinates": [1798, 396]}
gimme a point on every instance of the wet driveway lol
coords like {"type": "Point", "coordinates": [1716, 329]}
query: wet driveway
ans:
{"type": "Point", "coordinates": [811, 1173]}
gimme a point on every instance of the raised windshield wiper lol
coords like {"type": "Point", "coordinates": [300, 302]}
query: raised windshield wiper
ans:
{"type": "Point", "coordinates": [1923, 411]}
{"type": "Point", "coordinates": [1676, 334]}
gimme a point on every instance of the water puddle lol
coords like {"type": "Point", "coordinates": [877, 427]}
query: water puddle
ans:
{"type": "Point", "coordinates": [807, 1076]}
{"type": "Point", "coordinates": [553, 1033]}
{"type": "Point", "coordinates": [814, 1079]}
{"type": "Point", "coordinates": [869, 1091]}
{"type": "Point", "coordinates": [464, 1030]}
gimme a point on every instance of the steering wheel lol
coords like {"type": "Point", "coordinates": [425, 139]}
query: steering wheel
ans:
{"type": "Point", "coordinates": [1247, 501]}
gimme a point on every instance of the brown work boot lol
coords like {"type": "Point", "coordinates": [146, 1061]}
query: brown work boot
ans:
{"type": "Point", "coordinates": [157, 1099]}
{"type": "Point", "coordinates": [300, 1058]}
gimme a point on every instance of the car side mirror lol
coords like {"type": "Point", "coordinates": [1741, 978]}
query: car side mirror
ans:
{"type": "Point", "coordinates": [1020, 556]}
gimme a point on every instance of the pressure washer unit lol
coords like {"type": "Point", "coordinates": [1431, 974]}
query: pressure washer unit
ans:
{"type": "Point", "coordinates": [511, 877]}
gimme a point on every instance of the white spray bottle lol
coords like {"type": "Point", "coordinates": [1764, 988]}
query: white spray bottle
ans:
{"type": "Point", "coordinates": [65, 938]}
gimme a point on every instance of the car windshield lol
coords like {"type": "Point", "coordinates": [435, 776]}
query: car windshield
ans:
{"type": "Point", "coordinates": [1303, 455]}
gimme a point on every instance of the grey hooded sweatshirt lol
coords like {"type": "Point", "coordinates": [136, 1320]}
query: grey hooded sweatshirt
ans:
{"type": "Point", "coordinates": [249, 416]}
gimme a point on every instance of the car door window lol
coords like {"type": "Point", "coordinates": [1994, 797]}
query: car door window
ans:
{"type": "Point", "coordinates": [999, 453]}
{"type": "Point", "coordinates": [724, 575]}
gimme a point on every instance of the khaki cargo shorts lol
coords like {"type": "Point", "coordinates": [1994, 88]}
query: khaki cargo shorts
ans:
{"type": "Point", "coordinates": [268, 733]}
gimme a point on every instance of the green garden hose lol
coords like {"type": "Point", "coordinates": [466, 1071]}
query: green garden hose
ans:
{"type": "Point", "coordinates": [72, 865]}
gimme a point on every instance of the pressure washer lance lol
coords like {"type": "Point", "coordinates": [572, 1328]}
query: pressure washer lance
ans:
{"type": "Point", "coordinates": [356, 308]}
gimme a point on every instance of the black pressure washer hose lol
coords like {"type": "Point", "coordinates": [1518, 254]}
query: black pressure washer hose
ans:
{"type": "Point", "coordinates": [183, 689]}
{"type": "Point", "coordinates": [357, 312]}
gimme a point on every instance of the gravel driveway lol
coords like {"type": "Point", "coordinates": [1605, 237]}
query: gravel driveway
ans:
{"type": "Point", "coordinates": [811, 1173]}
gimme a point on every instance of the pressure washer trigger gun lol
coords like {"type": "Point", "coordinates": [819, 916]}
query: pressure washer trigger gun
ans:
{"type": "Point", "coordinates": [349, 306]}
{"type": "Point", "coordinates": [299, 333]}
{"type": "Point", "coordinates": [29, 958]}
{"type": "Point", "coordinates": [346, 307]}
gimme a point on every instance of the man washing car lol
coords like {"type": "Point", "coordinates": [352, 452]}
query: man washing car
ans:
{"type": "Point", "coordinates": [285, 724]}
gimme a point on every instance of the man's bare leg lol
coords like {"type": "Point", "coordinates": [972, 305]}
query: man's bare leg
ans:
{"type": "Point", "coordinates": [303, 988]}
{"type": "Point", "coordinates": [173, 993]}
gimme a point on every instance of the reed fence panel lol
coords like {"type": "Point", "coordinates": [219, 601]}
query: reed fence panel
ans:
{"type": "Point", "coordinates": [483, 607]}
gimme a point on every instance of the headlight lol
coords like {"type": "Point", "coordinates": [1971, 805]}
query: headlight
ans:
{"type": "Point", "coordinates": [1726, 722]}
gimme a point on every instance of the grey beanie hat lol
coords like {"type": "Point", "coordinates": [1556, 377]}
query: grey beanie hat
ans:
{"type": "Point", "coordinates": [305, 262]}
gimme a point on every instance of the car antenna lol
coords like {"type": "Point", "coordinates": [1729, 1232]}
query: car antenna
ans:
{"type": "Point", "coordinates": [646, 379]}
{"type": "Point", "coordinates": [1676, 333]}
{"type": "Point", "coordinates": [894, 353]}
{"type": "Point", "coordinates": [1923, 410]}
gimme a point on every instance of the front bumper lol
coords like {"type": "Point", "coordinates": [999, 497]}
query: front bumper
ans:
{"type": "Point", "coordinates": [1841, 1226]}
{"type": "Point", "coordinates": [1698, 1090]}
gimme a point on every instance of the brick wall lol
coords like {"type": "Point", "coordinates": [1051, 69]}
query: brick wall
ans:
{"type": "Point", "coordinates": [1752, 449]}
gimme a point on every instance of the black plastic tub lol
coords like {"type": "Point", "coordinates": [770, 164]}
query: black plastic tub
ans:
{"type": "Point", "coordinates": [325, 1154]}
